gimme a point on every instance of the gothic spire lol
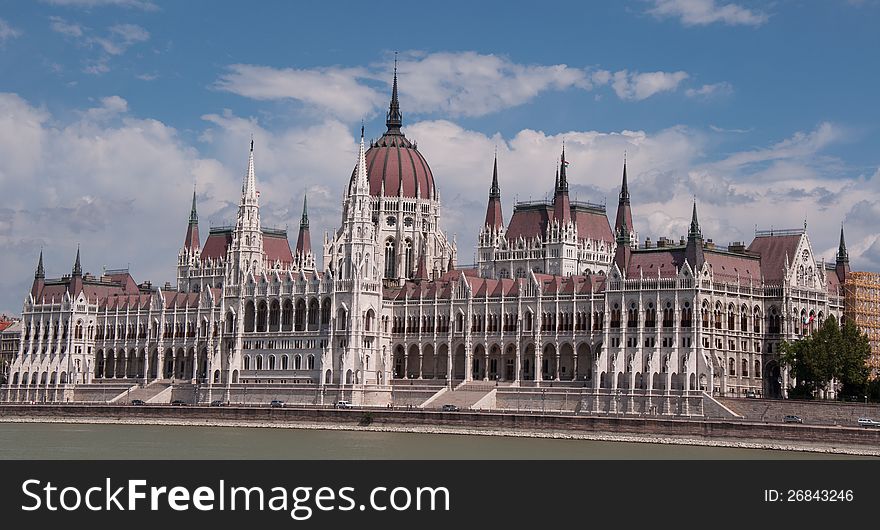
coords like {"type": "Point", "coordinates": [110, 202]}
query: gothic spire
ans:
{"type": "Point", "coordinates": [624, 188]}
{"type": "Point", "coordinates": [304, 222]}
{"type": "Point", "coordinates": [495, 190]}
{"type": "Point", "coordinates": [304, 240]}
{"type": "Point", "coordinates": [695, 232]}
{"type": "Point", "coordinates": [77, 267]}
{"type": "Point", "coordinates": [249, 187]}
{"type": "Point", "coordinates": [41, 273]}
{"type": "Point", "coordinates": [562, 186]}
{"type": "Point", "coordinates": [493, 209]}
{"type": "Point", "coordinates": [361, 184]}
{"type": "Point", "coordinates": [191, 241]}
{"type": "Point", "coordinates": [394, 119]}
{"type": "Point", "coordinates": [842, 254]}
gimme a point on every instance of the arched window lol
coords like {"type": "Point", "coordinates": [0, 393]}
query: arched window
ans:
{"type": "Point", "coordinates": [757, 369]}
{"type": "Point", "coordinates": [408, 259]}
{"type": "Point", "coordinates": [297, 362]}
{"type": "Point", "coordinates": [745, 368]}
{"type": "Point", "coordinates": [732, 367]}
{"type": "Point", "coordinates": [271, 362]}
{"type": "Point", "coordinates": [390, 259]}
{"type": "Point", "coordinates": [247, 362]}
{"type": "Point", "coordinates": [284, 362]}
{"type": "Point", "coordinates": [311, 362]}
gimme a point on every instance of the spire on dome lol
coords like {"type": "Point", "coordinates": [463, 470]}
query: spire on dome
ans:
{"type": "Point", "coordinates": [77, 267]}
{"type": "Point", "coordinates": [394, 118]}
{"type": "Point", "coordinates": [193, 214]}
{"type": "Point", "coordinates": [40, 273]}
{"type": "Point", "coordinates": [561, 204]}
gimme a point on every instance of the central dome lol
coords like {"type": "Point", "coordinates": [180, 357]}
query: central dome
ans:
{"type": "Point", "coordinates": [394, 165]}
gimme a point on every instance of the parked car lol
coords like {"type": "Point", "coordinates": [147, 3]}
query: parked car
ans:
{"type": "Point", "coordinates": [179, 402]}
{"type": "Point", "coordinates": [218, 403]}
{"type": "Point", "coordinates": [868, 422]}
{"type": "Point", "coordinates": [276, 403]}
{"type": "Point", "coordinates": [450, 408]}
{"type": "Point", "coordinates": [791, 418]}
{"type": "Point", "coordinates": [751, 393]}
{"type": "Point", "coordinates": [138, 402]}
{"type": "Point", "coordinates": [343, 404]}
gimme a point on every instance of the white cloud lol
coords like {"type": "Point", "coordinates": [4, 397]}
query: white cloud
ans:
{"type": "Point", "coordinates": [638, 86]}
{"type": "Point", "coordinates": [472, 84]}
{"type": "Point", "coordinates": [704, 12]}
{"type": "Point", "coordinates": [332, 89]}
{"type": "Point", "coordinates": [59, 25]}
{"type": "Point", "coordinates": [8, 32]}
{"type": "Point", "coordinates": [452, 84]}
{"type": "Point", "coordinates": [709, 91]}
{"type": "Point", "coordinates": [118, 39]}
{"type": "Point", "coordinates": [144, 5]}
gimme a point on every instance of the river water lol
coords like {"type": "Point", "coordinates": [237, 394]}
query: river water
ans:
{"type": "Point", "coordinates": [91, 441]}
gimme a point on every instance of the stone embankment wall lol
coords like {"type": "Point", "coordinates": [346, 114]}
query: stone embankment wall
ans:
{"type": "Point", "coordinates": [526, 423]}
{"type": "Point", "coordinates": [812, 412]}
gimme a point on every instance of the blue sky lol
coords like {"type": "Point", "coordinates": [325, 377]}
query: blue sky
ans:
{"type": "Point", "coordinates": [111, 110]}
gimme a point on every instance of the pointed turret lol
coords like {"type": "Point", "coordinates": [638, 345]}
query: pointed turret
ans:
{"type": "Point", "coordinates": [561, 204]}
{"type": "Point", "coordinates": [41, 272]}
{"type": "Point", "coordinates": [304, 240]}
{"type": "Point", "coordinates": [842, 263]}
{"type": "Point", "coordinates": [39, 278]}
{"type": "Point", "coordinates": [394, 119]}
{"type": "Point", "coordinates": [249, 186]}
{"type": "Point", "coordinates": [493, 210]}
{"type": "Point", "coordinates": [191, 241]}
{"type": "Point", "coordinates": [624, 212]}
{"type": "Point", "coordinates": [77, 266]}
{"type": "Point", "coordinates": [422, 269]}
{"type": "Point", "coordinates": [76, 280]}
{"type": "Point", "coordinates": [694, 249]}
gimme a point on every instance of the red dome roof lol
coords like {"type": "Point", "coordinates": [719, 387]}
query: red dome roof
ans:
{"type": "Point", "coordinates": [393, 162]}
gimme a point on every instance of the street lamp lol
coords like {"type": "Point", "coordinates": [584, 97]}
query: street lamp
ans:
{"type": "Point", "coordinates": [543, 408]}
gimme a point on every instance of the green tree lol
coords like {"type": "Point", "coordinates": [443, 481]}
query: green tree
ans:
{"type": "Point", "coordinates": [832, 353]}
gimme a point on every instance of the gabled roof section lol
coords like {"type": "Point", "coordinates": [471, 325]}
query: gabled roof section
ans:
{"type": "Point", "coordinates": [773, 247]}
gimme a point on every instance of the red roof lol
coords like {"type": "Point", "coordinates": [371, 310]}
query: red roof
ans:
{"type": "Point", "coordinates": [773, 250]}
{"type": "Point", "coordinates": [649, 261]}
{"type": "Point", "coordinates": [275, 245]}
{"type": "Point", "coordinates": [530, 221]}
{"type": "Point", "coordinates": [395, 161]}
{"type": "Point", "coordinates": [730, 267]}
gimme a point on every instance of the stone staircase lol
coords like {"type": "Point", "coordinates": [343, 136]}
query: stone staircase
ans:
{"type": "Point", "coordinates": [465, 395]}
{"type": "Point", "coordinates": [145, 393]}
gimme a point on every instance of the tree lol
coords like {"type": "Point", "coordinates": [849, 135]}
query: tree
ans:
{"type": "Point", "coordinates": [832, 353]}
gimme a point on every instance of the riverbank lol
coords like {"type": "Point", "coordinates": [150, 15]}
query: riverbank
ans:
{"type": "Point", "coordinates": [743, 435]}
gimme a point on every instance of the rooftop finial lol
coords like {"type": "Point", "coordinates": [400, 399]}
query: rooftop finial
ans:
{"type": "Point", "coordinates": [624, 187]}
{"type": "Point", "coordinates": [193, 215]}
{"type": "Point", "coordinates": [394, 119]}
{"type": "Point", "coordinates": [252, 142]}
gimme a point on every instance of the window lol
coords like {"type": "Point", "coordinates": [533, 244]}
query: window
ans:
{"type": "Point", "coordinates": [408, 259]}
{"type": "Point", "coordinates": [390, 259]}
